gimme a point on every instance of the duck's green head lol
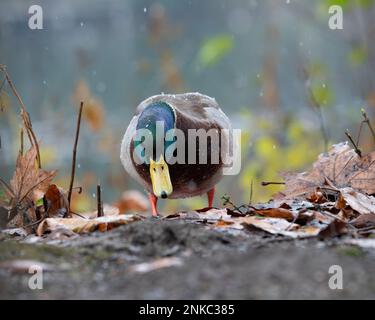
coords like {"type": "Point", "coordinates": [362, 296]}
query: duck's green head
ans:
{"type": "Point", "coordinates": [158, 112]}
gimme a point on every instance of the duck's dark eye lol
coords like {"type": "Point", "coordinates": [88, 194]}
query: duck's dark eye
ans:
{"type": "Point", "coordinates": [154, 170]}
{"type": "Point", "coordinates": [162, 167]}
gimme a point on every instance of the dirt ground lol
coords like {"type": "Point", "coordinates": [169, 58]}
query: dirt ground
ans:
{"type": "Point", "coordinates": [208, 264]}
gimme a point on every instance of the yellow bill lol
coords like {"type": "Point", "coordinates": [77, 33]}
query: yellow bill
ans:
{"type": "Point", "coordinates": [161, 181]}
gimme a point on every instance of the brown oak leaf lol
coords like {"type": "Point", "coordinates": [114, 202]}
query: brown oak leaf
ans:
{"type": "Point", "coordinates": [340, 167]}
{"type": "Point", "coordinates": [28, 177]}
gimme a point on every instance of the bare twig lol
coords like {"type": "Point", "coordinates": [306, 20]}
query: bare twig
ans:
{"type": "Point", "coordinates": [292, 222]}
{"type": "Point", "coordinates": [251, 192]}
{"type": "Point", "coordinates": [333, 190]}
{"type": "Point", "coordinates": [343, 168]}
{"type": "Point", "coordinates": [356, 149]}
{"type": "Point", "coordinates": [227, 200]}
{"type": "Point", "coordinates": [99, 199]}
{"type": "Point", "coordinates": [79, 215]}
{"type": "Point", "coordinates": [367, 121]}
{"type": "Point", "coordinates": [24, 114]}
{"type": "Point", "coordinates": [74, 158]}
{"type": "Point", "coordinates": [267, 183]}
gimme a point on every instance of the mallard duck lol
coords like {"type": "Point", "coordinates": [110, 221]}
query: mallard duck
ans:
{"type": "Point", "coordinates": [162, 178]}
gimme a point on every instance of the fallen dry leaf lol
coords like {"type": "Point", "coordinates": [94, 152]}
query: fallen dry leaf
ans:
{"type": "Point", "coordinates": [340, 166]}
{"type": "Point", "coordinates": [276, 213]}
{"type": "Point", "coordinates": [358, 201]}
{"type": "Point", "coordinates": [312, 221]}
{"type": "Point", "coordinates": [317, 197]}
{"type": "Point", "coordinates": [211, 215]}
{"type": "Point", "coordinates": [81, 225]}
{"type": "Point", "coordinates": [26, 180]}
{"type": "Point", "coordinates": [57, 202]}
{"type": "Point", "coordinates": [364, 220]}
{"type": "Point", "coordinates": [27, 177]}
{"type": "Point", "coordinates": [346, 215]}
{"type": "Point", "coordinates": [334, 229]}
{"type": "Point", "coordinates": [281, 227]}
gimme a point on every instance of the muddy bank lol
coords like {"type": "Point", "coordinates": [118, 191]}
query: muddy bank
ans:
{"type": "Point", "coordinates": [157, 259]}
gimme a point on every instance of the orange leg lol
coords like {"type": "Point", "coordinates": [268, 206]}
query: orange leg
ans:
{"type": "Point", "coordinates": [210, 196]}
{"type": "Point", "coordinates": [153, 200]}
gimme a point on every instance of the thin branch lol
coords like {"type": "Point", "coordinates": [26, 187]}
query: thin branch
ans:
{"type": "Point", "coordinates": [267, 183]}
{"type": "Point", "coordinates": [359, 132]}
{"type": "Point", "coordinates": [227, 200]}
{"type": "Point", "coordinates": [99, 199]}
{"type": "Point", "coordinates": [343, 168]}
{"type": "Point", "coordinates": [24, 114]}
{"type": "Point", "coordinates": [367, 121]}
{"type": "Point", "coordinates": [356, 149]}
{"type": "Point", "coordinates": [36, 222]}
{"type": "Point", "coordinates": [79, 215]}
{"type": "Point", "coordinates": [74, 158]}
{"type": "Point", "coordinates": [251, 192]}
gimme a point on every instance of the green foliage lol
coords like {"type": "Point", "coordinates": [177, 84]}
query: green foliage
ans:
{"type": "Point", "coordinates": [349, 4]}
{"type": "Point", "coordinates": [318, 78]}
{"type": "Point", "coordinates": [316, 69]}
{"type": "Point", "coordinates": [358, 56]}
{"type": "Point", "coordinates": [342, 3]}
{"type": "Point", "coordinates": [322, 94]}
{"type": "Point", "coordinates": [39, 202]}
{"type": "Point", "coordinates": [214, 49]}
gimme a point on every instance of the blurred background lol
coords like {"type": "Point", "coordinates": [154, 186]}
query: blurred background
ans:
{"type": "Point", "coordinates": [274, 66]}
